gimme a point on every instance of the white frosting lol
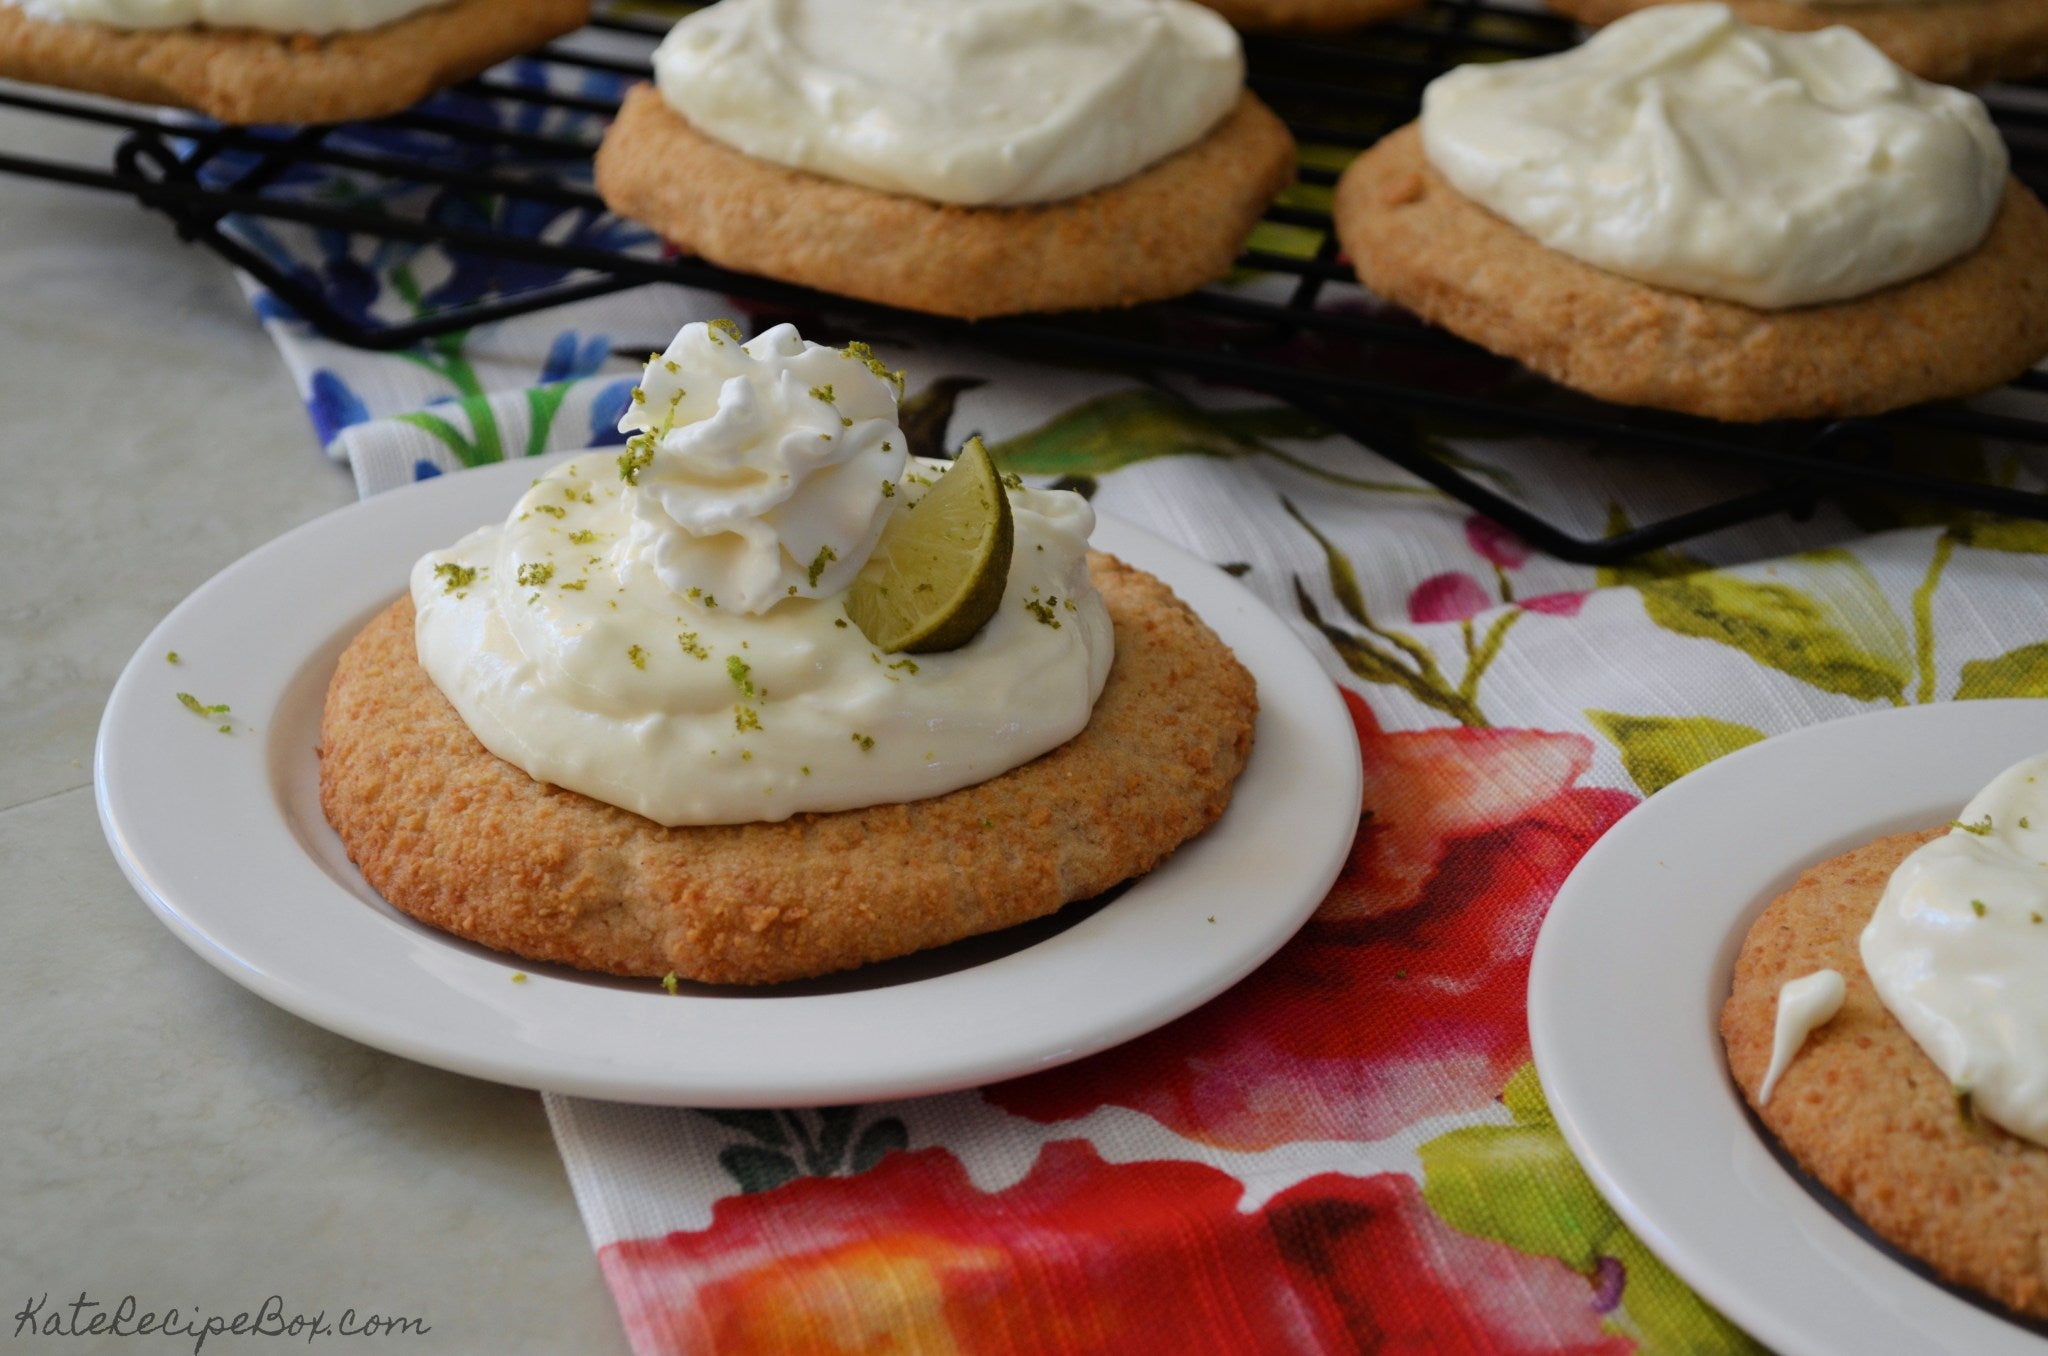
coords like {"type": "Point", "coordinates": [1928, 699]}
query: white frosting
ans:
{"type": "Point", "coordinates": [1958, 950]}
{"type": "Point", "coordinates": [1686, 149]}
{"type": "Point", "coordinates": [276, 16]}
{"type": "Point", "coordinates": [992, 102]}
{"type": "Point", "coordinates": [765, 460]}
{"type": "Point", "coordinates": [1805, 1005]}
{"type": "Point", "coordinates": [600, 643]}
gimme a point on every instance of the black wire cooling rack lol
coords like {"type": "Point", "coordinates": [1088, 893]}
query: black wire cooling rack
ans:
{"type": "Point", "coordinates": [1301, 329]}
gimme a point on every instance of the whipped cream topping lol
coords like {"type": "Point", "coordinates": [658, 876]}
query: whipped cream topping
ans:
{"type": "Point", "coordinates": [275, 16]}
{"type": "Point", "coordinates": [997, 102]}
{"type": "Point", "coordinates": [761, 466]}
{"type": "Point", "coordinates": [597, 639]}
{"type": "Point", "coordinates": [1685, 149]}
{"type": "Point", "coordinates": [1958, 950]}
{"type": "Point", "coordinates": [1805, 1005]}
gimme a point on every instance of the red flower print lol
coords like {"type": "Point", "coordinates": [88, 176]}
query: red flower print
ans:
{"type": "Point", "coordinates": [1495, 543]}
{"type": "Point", "coordinates": [1404, 997]}
{"type": "Point", "coordinates": [1141, 1259]}
{"type": "Point", "coordinates": [1557, 604]}
{"type": "Point", "coordinates": [1447, 597]}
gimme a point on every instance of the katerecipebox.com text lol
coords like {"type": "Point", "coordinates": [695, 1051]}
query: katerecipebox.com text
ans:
{"type": "Point", "coordinates": [126, 1317]}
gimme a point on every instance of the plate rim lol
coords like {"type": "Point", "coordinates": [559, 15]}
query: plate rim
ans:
{"type": "Point", "coordinates": [421, 518]}
{"type": "Point", "coordinates": [1623, 1165]}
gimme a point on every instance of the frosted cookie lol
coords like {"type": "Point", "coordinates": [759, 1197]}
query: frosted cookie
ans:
{"type": "Point", "coordinates": [1958, 42]}
{"type": "Point", "coordinates": [357, 59]}
{"type": "Point", "coordinates": [647, 724]}
{"type": "Point", "coordinates": [1867, 1112]}
{"type": "Point", "coordinates": [1526, 212]}
{"type": "Point", "coordinates": [468, 843]}
{"type": "Point", "coordinates": [1022, 155]}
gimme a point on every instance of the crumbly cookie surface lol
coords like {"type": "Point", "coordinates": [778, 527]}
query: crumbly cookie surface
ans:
{"type": "Point", "coordinates": [1969, 326]}
{"type": "Point", "coordinates": [1160, 233]}
{"type": "Point", "coordinates": [1958, 42]}
{"type": "Point", "coordinates": [1867, 1113]}
{"type": "Point", "coordinates": [1309, 16]}
{"type": "Point", "coordinates": [466, 842]}
{"type": "Point", "coordinates": [247, 76]}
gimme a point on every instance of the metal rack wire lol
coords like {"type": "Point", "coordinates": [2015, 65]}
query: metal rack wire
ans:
{"type": "Point", "coordinates": [447, 174]}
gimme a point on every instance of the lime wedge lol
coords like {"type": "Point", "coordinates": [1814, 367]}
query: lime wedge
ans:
{"type": "Point", "coordinates": [938, 573]}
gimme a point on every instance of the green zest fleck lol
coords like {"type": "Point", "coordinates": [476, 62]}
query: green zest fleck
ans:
{"type": "Point", "coordinates": [1982, 828]}
{"type": "Point", "coordinates": [455, 576]}
{"type": "Point", "coordinates": [552, 510]}
{"type": "Point", "coordinates": [637, 655]}
{"type": "Point", "coordinates": [866, 742]}
{"type": "Point", "coordinates": [639, 454]}
{"type": "Point", "coordinates": [1977, 907]}
{"type": "Point", "coordinates": [736, 668]}
{"type": "Point", "coordinates": [826, 555]}
{"type": "Point", "coordinates": [2035, 916]}
{"type": "Point", "coordinates": [692, 646]}
{"type": "Point", "coordinates": [670, 982]}
{"type": "Point", "coordinates": [519, 976]}
{"type": "Point", "coordinates": [2024, 824]}
{"type": "Point", "coordinates": [171, 657]}
{"type": "Point", "coordinates": [722, 325]}
{"type": "Point", "coordinates": [823, 393]}
{"type": "Point", "coordinates": [865, 356]}
{"type": "Point", "coordinates": [888, 486]}
{"type": "Point", "coordinates": [1012, 481]}
{"type": "Point", "coordinates": [806, 770]}
{"type": "Point", "coordinates": [199, 708]}
{"type": "Point", "coordinates": [839, 622]}
{"type": "Point", "coordinates": [576, 586]}
{"type": "Point", "coordinates": [745, 718]}
{"type": "Point", "coordinates": [534, 573]}
{"type": "Point", "coordinates": [1043, 609]}
{"type": "Point", "coordinates": [639, 396]}
{"type": "Point", "coordinates": [583, 536]}
{"type": "Point", "coordinates": [909, 664]}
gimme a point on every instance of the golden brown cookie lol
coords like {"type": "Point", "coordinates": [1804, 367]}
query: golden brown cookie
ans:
{"type": "Point", "coordinates": [1308, 16]}
{"type": "Point", "coordinates": [460, 839]}
{"type": "Point", "coordinates": [1867, 1113]}
{"type": "Point", "coordinates": [1164, 231]}
{"type": "Point", "coordinates": [1970, 325]}
{"type": "Point", "coordinates": [242, 75]}
{"type": "Point", "coordinates": [1958, 42]}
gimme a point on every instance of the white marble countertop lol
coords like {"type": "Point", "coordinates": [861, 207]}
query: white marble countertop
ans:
{"type": "Point", "coordinates": [163, 1133]}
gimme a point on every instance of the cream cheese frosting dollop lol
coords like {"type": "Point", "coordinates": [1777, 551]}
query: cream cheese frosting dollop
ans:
{"type": "Point", "coordinates": [275, 16]}
{"type": "Point", "coordinates": [1686, 149]}
{"type": "Point", "coordinates": [995, 102]}
{"type": "Point", "coordinates": [661, 644]}
{"type": "Point", "coordinates": [1958, 950]}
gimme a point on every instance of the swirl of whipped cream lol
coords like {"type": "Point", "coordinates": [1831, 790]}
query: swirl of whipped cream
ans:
{"type": "Point", "coordinates": [758, 469]}
{"type": "Point", "coordinates": [995, 102]}
{"type": "Point", "coordinates": [274, 16]}
{"type": "Point", "coordinates": [1958, 950]}
{"type": "Point", "coordinates": [1686, 149]}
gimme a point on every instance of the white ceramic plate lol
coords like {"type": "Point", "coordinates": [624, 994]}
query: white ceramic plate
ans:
{"type": "Point", "coordinates": [1625, 996]}
{"type": "Point", "coordinates": [222, 836]}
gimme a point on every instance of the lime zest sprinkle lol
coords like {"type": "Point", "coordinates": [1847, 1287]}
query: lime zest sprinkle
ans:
{"type": "Point", "coordinates": [745, 718]}
{"type": "Point", "coordinates": [692, 646]}
{"type": "Point", "coordinates": [722, 325]}
{"type": "Point", "coordinates": [823, 393]}
{"type": "Point", "coordinates": [639, 454]}
{"type": "Point", "coordinates": [637, 655]}
{"type": "Point", "coordinates": [576, 586]}
{"type": "Point", "coordinates": [909, 664]}
{"type": "Point", "coordinates": [519, 976]}
{"type": "Point", "coordinates": [198, 708]}
{"type": "Point", "coordinates": [737, 669]}
{"type": "Point", "coordinates": [454, 576]}
{"type": "Point", "coordinates": [671, 983]}
{"type": "Point", "coordinates": [865, 356]}
{"type": "Point", "coordinates": [1977, 907]}
{"type": "Point", "coordinates": [1982, 828]}
{"type": "Point", "coordinates": [583, 536]}
{"type": "Point", "coordinates": [866, 742]}
{"type": "Point", "coordinates": [552, 510]}
{"type": "Point", "coordinates": [534, 573]}
{"type": "Point", "coordinates": [826, 555]}
{"type": "Point", "coordinates": [171, 657]}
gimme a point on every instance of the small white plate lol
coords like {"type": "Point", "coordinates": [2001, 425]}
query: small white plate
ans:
{"type": "Point", "coordinates": [223, 837]}
{"type": "Point", "coordinates": [1625, 996]}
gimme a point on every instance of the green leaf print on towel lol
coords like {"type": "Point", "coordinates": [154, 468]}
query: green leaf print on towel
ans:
{"type": "Point", "coordinates": [1825, 622]}
{"type": "Point", "coordinates": [2017, 673]}
{"type": "Point", "coordinates": [784, 1145]}
{"type": "Point", "coordinates": [1518, 1184]}
{"type": "Point", "coordinates": [1124, 428]}
{"type": "Point", "coordinates": [1658, 750]}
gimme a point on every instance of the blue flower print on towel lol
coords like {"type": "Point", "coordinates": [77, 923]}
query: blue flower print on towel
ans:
{"type": "Point", "coordinates": [568, 360]}
{"type": "Point", "coordinates": [333, 406]}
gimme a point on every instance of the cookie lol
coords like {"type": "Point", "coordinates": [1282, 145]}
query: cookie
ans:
{"type": "Point", "coordinates": [1309, 16]}
{"type": "Point", "coordinates": [1970, 325]}
{"type": "Point", "coordinates": [1958, 42]}
{"type": "Point", "coordinates": [241, 75]}
{"type": "Point", "coordinates": [1160, 233]}
{"type": "Point", "coordinates": [1867, 1113]}
{"type": "Point", "coordinates": [460, 839]}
